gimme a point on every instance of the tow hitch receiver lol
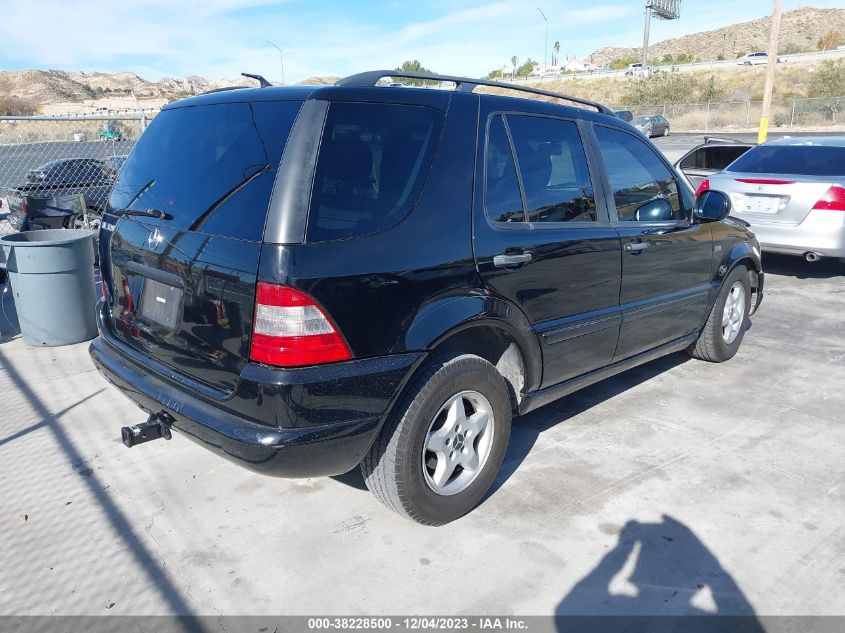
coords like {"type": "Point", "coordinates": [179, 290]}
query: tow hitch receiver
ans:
{"type": "Point", "coordinates": [152, 429]}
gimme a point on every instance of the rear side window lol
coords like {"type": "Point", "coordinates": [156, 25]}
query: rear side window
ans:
{"type": "Point", "coordinates": [372, 164]}
{"type": "Point", "coordinates": [715, 157]}
{"type": "Point", "coordinates": [798, 160]}
{"type": "Point", "coordinates": [210, 168]}
{"type": "Point", "coordinates": [554, 171]}
{"type": "Point", "coordinates": [502, 197]}
{"type": "Point", "coordinates": [638, 178]}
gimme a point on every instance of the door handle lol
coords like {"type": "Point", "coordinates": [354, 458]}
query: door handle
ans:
{"type": "Point", "coordinates": [636, 247]}
{"type": "Point", "coordinates": [511, 260]}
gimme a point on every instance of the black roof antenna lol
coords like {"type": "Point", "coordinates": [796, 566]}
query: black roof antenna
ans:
{"type": "Point", "coordinates": [264, 83]}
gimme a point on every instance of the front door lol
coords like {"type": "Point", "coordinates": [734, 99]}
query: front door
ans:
{"type": "Point", "coordinates": [543, 242]}
{"type": "Point", "coordinates": [666, 259]}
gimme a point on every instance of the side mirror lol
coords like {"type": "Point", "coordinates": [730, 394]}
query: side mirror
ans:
{"type": "Point", "coordinates": [657, 210]}
{"type": "Point", "coordinates": [712, 206]}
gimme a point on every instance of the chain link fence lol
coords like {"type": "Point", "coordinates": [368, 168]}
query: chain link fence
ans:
{"type": "Point", "coordinates": [57, 171]}
{"type": "Point", "coordinates": [819, 113]}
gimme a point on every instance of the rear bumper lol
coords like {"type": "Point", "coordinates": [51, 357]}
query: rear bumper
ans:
{"type": "Point", "coordinates": [332, 413]}
{"type": "Point", "coordinates": [821, 232]}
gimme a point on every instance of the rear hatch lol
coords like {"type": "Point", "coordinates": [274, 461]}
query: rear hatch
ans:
{"type": "Point", "coordinates": [182, 286]}
{"type": "Point", "coordinates": [780, 184]}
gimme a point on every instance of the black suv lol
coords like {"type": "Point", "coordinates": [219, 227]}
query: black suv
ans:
{"type": "Point", "coordinates": [305, 279]}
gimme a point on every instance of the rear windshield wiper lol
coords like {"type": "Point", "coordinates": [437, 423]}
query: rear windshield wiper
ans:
{"type": "Point", "coordinates": [197, 224]}
{"type": "Point", "coordinates": [147, 213]}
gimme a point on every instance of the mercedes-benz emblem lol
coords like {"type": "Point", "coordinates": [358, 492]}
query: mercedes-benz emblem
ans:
{"type": "Point", "coordinates": [154, 239]}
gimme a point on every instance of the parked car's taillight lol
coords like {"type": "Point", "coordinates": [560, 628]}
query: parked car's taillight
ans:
{"type": "Point", "coordinates": [704, 186]}
{"type": "Point", "coordinates": [24, 207]}
{"type": "Point", "coordinates": [291, 330]}
{"type": "Point", "coordinates": [832, 200]}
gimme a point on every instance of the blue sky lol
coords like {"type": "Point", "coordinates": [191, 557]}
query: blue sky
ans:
{"type": "Point", "coordinates": [221, 38]}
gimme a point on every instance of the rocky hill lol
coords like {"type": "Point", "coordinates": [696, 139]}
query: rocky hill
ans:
{"type": "Point", "coordinates": [800, 30]}
{"type": "Point", "coordinates": [55, 86]}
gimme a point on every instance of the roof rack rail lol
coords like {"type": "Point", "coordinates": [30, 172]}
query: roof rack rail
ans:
{"type": "Point", "coordinates": [462, 84]}
{"type": "Point", "coordinates": [223, 89]}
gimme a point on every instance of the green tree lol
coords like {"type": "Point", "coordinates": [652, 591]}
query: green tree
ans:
{"type": "Point", "coordinates": [712, 91]}
{"type": "Point", "coordinates": [622, 64]}
{"type": "Point", "coordinates": [527, 68]}
{"type": "Point", "coordinates": [659, 88]}
{"type": "Point", "coordinates": [414, 66]}
{"type": "Point", "coordinates": [556, 49]}
{"type": "Point", "coordinates": [829, 41]}
{"type": "Point", "coordinates": [827, 85]}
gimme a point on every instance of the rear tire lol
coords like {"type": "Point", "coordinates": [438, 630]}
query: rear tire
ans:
{"type": "Point", "coordinates": [416, 466]}
{"type": "Point", "coordinates": [722, 334]}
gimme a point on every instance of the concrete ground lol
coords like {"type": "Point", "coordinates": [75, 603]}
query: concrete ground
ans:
{"type": "Point", "coordinates": [680, 487]}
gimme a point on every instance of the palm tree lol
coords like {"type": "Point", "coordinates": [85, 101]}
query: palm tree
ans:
{"type": "Point", "coordinates": [513, 62]}
{"type": "Point", "coordinates": [556, 48]}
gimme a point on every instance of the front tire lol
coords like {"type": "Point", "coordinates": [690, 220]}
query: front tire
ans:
{"type": "Point", "coordinates": [722, 334]}
{"type": "Point", "coordinates": [441, 448]}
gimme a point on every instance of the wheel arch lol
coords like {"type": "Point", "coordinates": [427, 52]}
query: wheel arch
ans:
{"type": "Point", "coordinates": [485, 325]}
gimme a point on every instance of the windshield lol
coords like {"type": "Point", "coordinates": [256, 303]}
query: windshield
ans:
{"type": "Point", "coordinates": [640, 120]}
{"type": "Point", "coordinates": [797, 160]}
{"type": "Point", "coordinates": [208, 168]}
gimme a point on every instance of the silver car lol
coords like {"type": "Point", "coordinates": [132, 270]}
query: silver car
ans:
{"type": "Point", "coordinates": [651, 125]}
{"type": "Point", "coordinates": [792, 192]}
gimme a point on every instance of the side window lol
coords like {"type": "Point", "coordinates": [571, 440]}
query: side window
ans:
{"type": "Point", "coordinates": [695, 160]}
{"type": "Point", "coordinates": [554, 171]}
{"type": "Point", "coordinates": [371, 167]}
{"type": "Point", "coordinates": [502, 198]}
{"type": "Point", "coordinates": [643, 187]}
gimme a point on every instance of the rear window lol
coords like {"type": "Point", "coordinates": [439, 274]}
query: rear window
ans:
{"type": "Point", "coordinates": [797, 160]}
{"type": "Point", "coordinates": [372, 164]}
{"type": "Point", "coordinates": [210, 168]}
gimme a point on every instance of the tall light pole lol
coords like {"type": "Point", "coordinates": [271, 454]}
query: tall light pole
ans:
{"type": "Point", "coordinates": [546, 39]}
{"type": "Point", "coordinates": [281, 58]}
{"type": "Point", "coordinates": [663, 10]}
{"type": "Point", "coordinates": [763, 132]}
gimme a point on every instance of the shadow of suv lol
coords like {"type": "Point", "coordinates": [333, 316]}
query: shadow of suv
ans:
{"type": "Point", "coordinates": [304, 279]}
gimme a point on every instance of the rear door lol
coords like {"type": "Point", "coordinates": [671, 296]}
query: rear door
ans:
{"type": "Point", "coordinates": [182, 287]}
{"type": "Point", "coordinates": [666, 259]}
{"type": "Point", "coordinates": [706, 160]}
{"type": "Point", "coordinates": [543, 242]}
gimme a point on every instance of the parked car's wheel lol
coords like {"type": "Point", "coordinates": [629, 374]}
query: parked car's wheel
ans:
{"type": "Point", "coordinates": [722, 334]}
{"type": "Point", "coordinates": [443, 445]}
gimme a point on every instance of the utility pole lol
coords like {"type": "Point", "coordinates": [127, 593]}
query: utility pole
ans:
{"type": "Point", "coordinates": [645, 36]}
{"type": "Point", "coordinates": [281, 57]}
{"type": "Point", "coordinates": [763, 132]}
{"type": "Point", "coordinates": [546, 38]}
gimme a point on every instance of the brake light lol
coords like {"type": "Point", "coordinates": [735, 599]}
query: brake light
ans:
{"type": "Point", "coordinates": [704, 186]}
{"type": "Point", "coordinates": [25, 207]}
{"type": "Point", "coordinates": [765, 181]}
{"type": "Point", "coordinates": [832, 200]}
{"type": "Point", "coordinates": [291, 330]}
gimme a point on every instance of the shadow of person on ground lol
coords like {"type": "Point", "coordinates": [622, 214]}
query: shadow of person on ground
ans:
{"type": "Point", "coordinates": [658, 569]}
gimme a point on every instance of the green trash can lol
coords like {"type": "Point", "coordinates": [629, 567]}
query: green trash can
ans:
{"type": "Point", "coordinates": [52, 277]}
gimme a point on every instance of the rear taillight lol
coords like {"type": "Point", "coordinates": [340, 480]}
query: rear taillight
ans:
{"type": "Point", "coordinates": [291, 330]}
{"type": "Point", "coordinates": [832, 200]}
{"type": "Point", "coordinates": [765, 181]}
{"type": "Point", "coordinates": [704, 186]}
{"type": "Point", "coordinates": [24, 207]}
